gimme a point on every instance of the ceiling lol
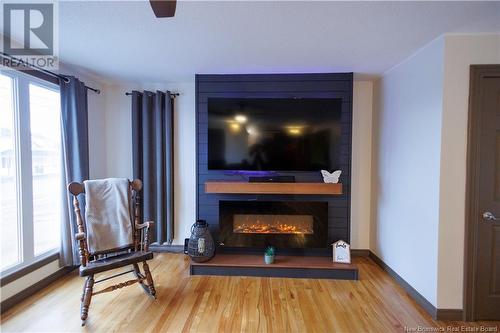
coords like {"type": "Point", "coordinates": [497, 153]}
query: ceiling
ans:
{"type": "Point", "coordinates": [123, 40]}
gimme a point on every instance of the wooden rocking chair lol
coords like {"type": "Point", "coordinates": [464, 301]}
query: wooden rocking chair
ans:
{"type": "Point", "coordinates": [92, 263]}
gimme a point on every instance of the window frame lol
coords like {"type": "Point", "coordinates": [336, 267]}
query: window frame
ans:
{"type": "Point", "coordinates": [24, 173]}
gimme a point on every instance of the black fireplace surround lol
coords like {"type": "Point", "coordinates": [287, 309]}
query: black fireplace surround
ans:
{"type": "Point", "coordinates": [283, 224]}
{"type": "Point", "coordinates": [318, 85]}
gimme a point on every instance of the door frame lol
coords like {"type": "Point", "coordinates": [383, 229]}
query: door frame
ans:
{"type": "Point", "coordinates": [477, 72]}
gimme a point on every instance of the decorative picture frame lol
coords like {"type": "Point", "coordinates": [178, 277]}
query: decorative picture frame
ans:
{"type": "Point", "coordinates": [341, 252]}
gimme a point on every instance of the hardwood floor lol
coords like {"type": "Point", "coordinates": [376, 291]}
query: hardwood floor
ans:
{"type": "Point", "coordinates": [229, 304]}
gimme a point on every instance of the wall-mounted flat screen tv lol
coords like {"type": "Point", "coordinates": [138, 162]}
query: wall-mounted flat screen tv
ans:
{"type": "Point", "coordinates": [274, 134]}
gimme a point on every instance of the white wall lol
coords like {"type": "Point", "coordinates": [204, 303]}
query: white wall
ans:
{"type": "Point", "coordinates": [28, 280]}
{"type": "Point", "coordinates": [118, 136]}
{"type": "Point", "coordinates": [459, 53]}
{"type": "Point", "coordinates": [418, 229]}
{"type": "Point", "coordinates": [406, 221]}
{"type": "Point", "coordinates": [119, 154]}
{"type": "Point", "coordinates": [361, 164]}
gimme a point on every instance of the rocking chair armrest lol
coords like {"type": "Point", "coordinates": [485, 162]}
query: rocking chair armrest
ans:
{"type": "Point", "coordinates": [147, 225]}
{"type": "Point", "coordinates": [143, 239]}
{"type": "Point", "coordinates": [80, 236]}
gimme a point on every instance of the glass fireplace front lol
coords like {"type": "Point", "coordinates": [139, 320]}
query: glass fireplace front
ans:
{"type": "Point", "coordinates": [284, 224]}
{"type": "Point", "coordinates": [272, 224]}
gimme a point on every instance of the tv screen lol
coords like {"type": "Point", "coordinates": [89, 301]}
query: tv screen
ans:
{"type": "Point", "coordinates": [273, 134]}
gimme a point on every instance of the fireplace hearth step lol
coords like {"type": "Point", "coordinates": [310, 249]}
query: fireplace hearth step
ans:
{"type": "Point", "coordinates": [311, 267]}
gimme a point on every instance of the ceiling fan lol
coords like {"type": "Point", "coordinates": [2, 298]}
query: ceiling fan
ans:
{"type": "Point", "coordinates": [163, 8]}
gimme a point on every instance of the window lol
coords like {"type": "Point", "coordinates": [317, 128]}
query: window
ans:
{"type": "Point", "coordinates": [8, 177]}
{"type": "Point", "coordinates": [30, 170]}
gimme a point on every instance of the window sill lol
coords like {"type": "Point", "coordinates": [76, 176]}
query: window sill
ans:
{"type": "Point", "coordinates": [24, 270]}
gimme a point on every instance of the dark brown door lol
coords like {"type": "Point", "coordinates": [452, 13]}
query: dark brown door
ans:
{"type": "Point", "coordinates": [487, 222]}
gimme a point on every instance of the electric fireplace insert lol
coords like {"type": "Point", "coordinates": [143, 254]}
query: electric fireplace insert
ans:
{"type": "Point", "coordinates": [284, 224]}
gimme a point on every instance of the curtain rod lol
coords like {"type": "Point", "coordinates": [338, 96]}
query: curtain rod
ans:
{"type": "Point", "coordinates": [59, 76]}
{"type": "Point", "coordinates": [171, 93]}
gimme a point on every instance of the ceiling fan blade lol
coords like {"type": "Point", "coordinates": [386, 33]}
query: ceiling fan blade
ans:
{"type": "Point", "coordinates": [163, 8]}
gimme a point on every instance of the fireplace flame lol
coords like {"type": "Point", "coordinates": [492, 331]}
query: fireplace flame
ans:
{"type": "Point", "coordinates": [268, 229]}
{"type": "Point", "coordinates": [270, 224]}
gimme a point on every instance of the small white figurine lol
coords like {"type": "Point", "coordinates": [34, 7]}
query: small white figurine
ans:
{"type": "Point", "coordinates": [331, 177]}
{"type": "Point", "coordinates": [341, 252]}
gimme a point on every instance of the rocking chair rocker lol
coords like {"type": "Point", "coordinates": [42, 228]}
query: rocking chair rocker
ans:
{"type": "Point", "coordinates": [93, 263]}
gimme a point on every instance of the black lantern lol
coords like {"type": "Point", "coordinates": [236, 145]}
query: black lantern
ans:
{"type": "Point", "coordinates": [201, 246]}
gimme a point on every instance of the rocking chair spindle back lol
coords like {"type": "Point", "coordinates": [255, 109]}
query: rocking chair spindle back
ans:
{"type": "Point", "coordinates": [92, 263]}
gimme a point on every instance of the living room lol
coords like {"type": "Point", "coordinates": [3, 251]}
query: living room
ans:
{"type": "Point", "coordinates": [254, 136]}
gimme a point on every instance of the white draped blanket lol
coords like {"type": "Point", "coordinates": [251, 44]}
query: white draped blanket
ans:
{"type": "Point", "coordinates": [107, 214]}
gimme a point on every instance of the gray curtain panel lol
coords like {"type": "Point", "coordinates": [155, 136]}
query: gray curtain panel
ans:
{"type": "Point", "coordinates": [74, 123]}
{"type": "Point", "coordinates": [152, 141]}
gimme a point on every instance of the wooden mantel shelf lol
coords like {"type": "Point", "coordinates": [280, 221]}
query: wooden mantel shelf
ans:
{"type": "Point", "coordinates": [272, 188]}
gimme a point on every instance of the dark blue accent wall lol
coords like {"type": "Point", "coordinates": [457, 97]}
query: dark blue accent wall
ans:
{"type": "Point", "coordinates": [333, 85]}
